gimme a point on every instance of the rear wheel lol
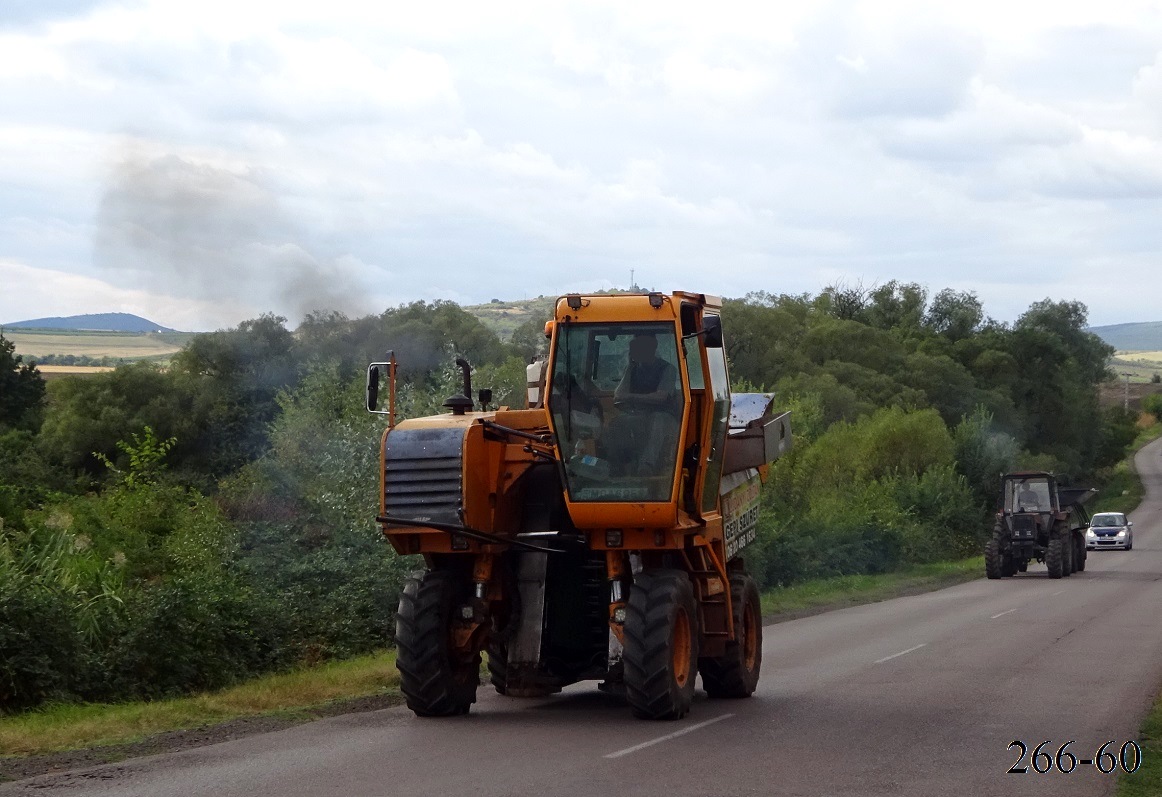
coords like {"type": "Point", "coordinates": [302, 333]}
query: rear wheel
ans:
{"type": "Point", "coordinates": [1067, 562]}
{"type": "Point", "coordinates": [661, 645]}
{"type": "Point", "coordinates": [1079, 553]}
{"type": "Point", "coordinates": [435, 680]}
{"type": "Point", "coordinates": [1055, 558]}
{"type": "Point", "coordinates": [736, 672]}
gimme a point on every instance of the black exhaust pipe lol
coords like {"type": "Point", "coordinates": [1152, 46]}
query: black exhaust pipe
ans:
{"type": "Point", "coordinates": [462, 404]}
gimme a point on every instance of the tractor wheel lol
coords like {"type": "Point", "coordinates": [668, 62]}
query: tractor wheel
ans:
{"type": "Point", "coordinates": [661, 645]}
{"type": "Point", "coordinates": [993, 559]}
{"type": "Point", "coordinates": [1079, 554]}
{"type": "Point", "coordinates": [1055, 558]}
{"type": "Point", "coordinates": [1067, 565]}
{"type": "Point", "coordinates": [435, 681]}
{"type": "Point", "coordinates": [736, 672]}
{"type": "Point", "coordinates": [1008, 566]}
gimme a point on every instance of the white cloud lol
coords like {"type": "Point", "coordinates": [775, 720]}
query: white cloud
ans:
{"type": "Point", "coordinates": [405, 151]}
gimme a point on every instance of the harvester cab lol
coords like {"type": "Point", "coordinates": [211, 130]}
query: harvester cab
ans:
{"type": "Point", "coordinates": [594, 534]}
{"type": "Point", "coordinates": [1038, 520]}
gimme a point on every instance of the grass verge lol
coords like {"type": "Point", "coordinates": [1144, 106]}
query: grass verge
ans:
{"type": "Point", "coordinates": [69, 727]}
{"type": "Point", "coordinates": [819, 595]}
{"type": "Point", "coordinates": [1148, 779]}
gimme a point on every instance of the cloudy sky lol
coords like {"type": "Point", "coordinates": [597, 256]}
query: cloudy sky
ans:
{"type": "Point", "coordinates": [201, 163]}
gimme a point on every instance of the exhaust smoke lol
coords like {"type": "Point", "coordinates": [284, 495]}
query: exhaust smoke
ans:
{"type": "Point", "coordinates": [200, 230]}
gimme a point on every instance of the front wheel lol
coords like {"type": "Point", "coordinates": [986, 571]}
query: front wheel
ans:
{"type": "Point", "coordinates": [1079, 554]}
{"type": "Point", "coordinates": [435, 679]}
{"type": "Point", "coordinates": [993, 559]}
{"type": "Point", "coordinates": [1055, 558]}
{"type": "Point", "coordinates": [661, 645]}
{"type": "Point", "coordinates": [736, 673]}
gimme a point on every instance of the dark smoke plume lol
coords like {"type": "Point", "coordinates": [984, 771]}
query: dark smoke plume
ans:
{"type": "Point", "coordinates": [204, 232]}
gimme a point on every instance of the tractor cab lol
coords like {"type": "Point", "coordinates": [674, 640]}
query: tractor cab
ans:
{"type": "Point", "coordinates": [1030, 505]}
{"type": "Point", "coordinates": [639, 403]}
{"type": "Point", "coordinates": [1030, 494]}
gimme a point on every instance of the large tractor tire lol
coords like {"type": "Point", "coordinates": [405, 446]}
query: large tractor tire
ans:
{"type": "Point", "coordinates": [993, 559]}
{"type": "Point", "coordinates": [1067, 564]}
{"type": "Point", "coordinates": [1079, 553]}
{"type": "Point", "coordinates": [736, 673]}
{"type": "Point", "coordinates": [1055, 557]}
{"type": "Point", "coordinates": [661, 645]}
{"type": "Point", "coordinates": [435, 681]}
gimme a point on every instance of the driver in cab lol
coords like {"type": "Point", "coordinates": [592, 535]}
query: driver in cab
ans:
{"type": "Point", "coordinates": [1028, 497]}
{"type": "Point", "coordinates": [647, 399]}
{"type": "Point", "coordinates": [648, 379]}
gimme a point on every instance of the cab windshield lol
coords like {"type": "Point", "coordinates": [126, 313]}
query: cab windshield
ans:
{"type": "Point", "coordinates": [1028, 495]}
{"type": "Point", "coordinates": [616, 402]}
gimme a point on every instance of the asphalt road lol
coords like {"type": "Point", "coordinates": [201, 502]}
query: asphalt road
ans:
{"type": "Point", "coordinates": [914, 696]}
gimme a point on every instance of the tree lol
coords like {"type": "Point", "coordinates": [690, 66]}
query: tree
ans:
{"type": "Point", "coordinates": [955, 314]}
{"type": "Point", "coordinates": [21, 388]}
{"type": "Point", "coordinates": [897, 305]}
{"type": "Point", "coordinates": [529, 338]}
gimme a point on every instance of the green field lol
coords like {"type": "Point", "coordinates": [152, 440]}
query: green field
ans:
{"type": "Point", "coordinates": [33, 343]}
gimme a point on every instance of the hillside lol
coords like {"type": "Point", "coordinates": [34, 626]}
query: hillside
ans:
{"type": "Point", "coordinates": [504, 317]}
{"type": "Point", "coordinates": [1142, 336]}
{"type": "Point", "coordinates": [96, 322]}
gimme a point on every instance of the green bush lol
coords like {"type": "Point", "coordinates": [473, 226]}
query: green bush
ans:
{"type": "Point", "coordinates": [1153, 404]}
{"type": "Point", "coordinates": [37, 642]}
{"type": "Point", "coordinates": [189, 633]}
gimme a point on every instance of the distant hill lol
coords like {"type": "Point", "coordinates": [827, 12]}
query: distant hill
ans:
{"type": "Point", "coordinates": [1142, 336]}
{"type": "Point", "coordinates": [103, 322]}
{"type": "Point", "coordinates": [504, 317]}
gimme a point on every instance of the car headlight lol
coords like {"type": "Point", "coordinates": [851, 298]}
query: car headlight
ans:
{"type": "Point", "coordinates": [1122, 533]}
{"type": "Point", "coordinates": [1090, 533]}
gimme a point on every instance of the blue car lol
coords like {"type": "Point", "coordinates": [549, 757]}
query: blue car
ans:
{"type": "Point", "coordinates": [1110, 530]}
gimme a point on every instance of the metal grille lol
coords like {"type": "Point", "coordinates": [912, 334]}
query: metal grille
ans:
{"type": "Point", "coordinates": [1024, 526]}
{"type": "Point", "coordinates": [425, 489]}
{"type": "Point", "coordinates": [422, 475]}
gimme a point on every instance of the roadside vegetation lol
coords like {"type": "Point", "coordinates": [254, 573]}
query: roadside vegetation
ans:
{"type": "Point", "coordinates": [168, 532]}
{"type": "Point", "coordinates": [70, 726]}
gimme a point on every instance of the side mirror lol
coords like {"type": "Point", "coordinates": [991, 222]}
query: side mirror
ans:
{"type": "Point", "coordinates": [1129, 523]}
{"type": "Point", "coordinates": [712, 329]}
{"type": "Point", "coordinates": [373, 388]}
{"type": "Point", "coordinates": [375, 372]}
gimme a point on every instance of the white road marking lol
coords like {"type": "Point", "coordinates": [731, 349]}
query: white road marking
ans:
{"type": "Point", "coordinates": [1002, 614]}
{"type": "Point", "coordinates": [667, 737]}
{"type": "Point", "coordinates": [901, 653]}
{"type": "Point", "coordinates": [1055, 594]}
